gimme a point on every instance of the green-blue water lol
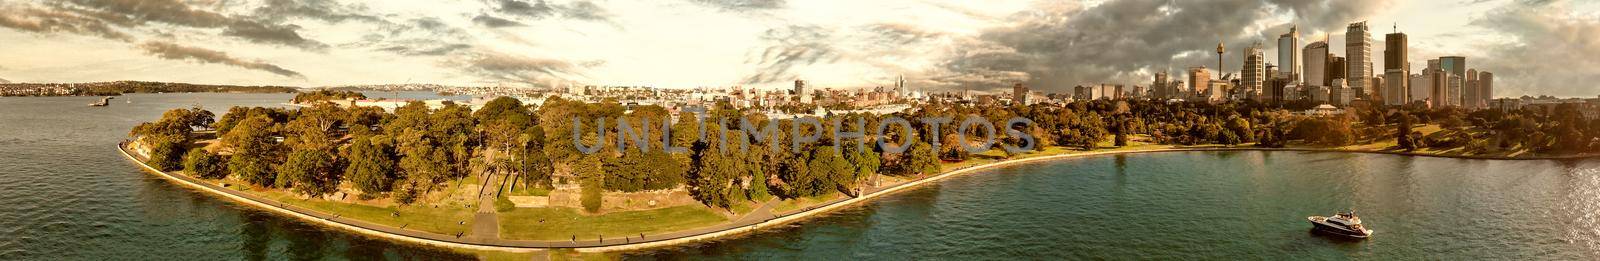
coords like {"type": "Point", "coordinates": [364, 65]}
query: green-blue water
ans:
{"type": "Point", "coordinates": [66, 194]}
{"type": "Point", "coordinates": [1210, 205]}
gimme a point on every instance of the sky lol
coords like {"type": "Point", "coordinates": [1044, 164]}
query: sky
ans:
{"type": "Point", "coordinates": [1534, 47]}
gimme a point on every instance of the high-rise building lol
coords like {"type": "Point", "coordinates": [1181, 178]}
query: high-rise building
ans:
{"type": "Point", "coordinates": [1336, 67]}
{"type": "Point", "coordinates": [1253, 76]}
{"type": "Point", "coordinates": [1469, 90]}
{"type": "Point", "coordinates": [1455, 65]}
{"type": "Point", "coordinates": [1452, 84]}
{"type": "Point", "coordinates": [1420, 87]}
{"type": "Point", "coordinates": [1019, 94]}
{"type": "Point", "coordinates": [1486, 87]}
{"type": "Point", "coordinates": [1160, 87]}
{"type": "Point", "coordinates": [1288, 55]}
{"type": "Point", "coordinates": [800, 91]}
{"type": "Point", "coordinates": [1199, 80]}
{"type": "Point", "coordinates": [1396, 69]}
{"type": "Point", "coordinates": [1358, 54]}
{"type": "Point", "coordinates": [1316, 64]}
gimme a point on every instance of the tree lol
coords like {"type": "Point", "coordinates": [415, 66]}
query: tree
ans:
{"type": "Point", "coordinates": [1403, 134]}
{"type": "Point", "coordinates": [254, 150]}
{"type": "Point", "coordinates": [709, 176]}
{"type": "Point", "coordinates": [371, 168]}
{"type": "Point", "coordinates": [312, 172]}
{"type": "Point", "coordinates": [201, 163]}
{"type": "Point", "coordinates": [922, 160]}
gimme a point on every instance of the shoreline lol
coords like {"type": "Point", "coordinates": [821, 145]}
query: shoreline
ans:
{"type": "Point", "coordinates": [525, 246]}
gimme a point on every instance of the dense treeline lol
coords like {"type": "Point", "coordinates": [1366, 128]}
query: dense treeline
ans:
{"type": "Point", "coordinates": [121, 87]}
{"type": "Point", "coordinates": [327, 95]}
{"type": "Point", "coordinates": [746, 156]}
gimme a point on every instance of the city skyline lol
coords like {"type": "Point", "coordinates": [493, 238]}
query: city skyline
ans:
{"type": "Point", "coordinates": [1050, 47]}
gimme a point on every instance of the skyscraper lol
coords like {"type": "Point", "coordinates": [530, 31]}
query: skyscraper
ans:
{"type": "Point", "coordinates": [1336, 67]}
{"type": "Point", "coordinates": [1288, 55]}
{"type": "Point", "coordinates": [1160, 87]}
{"type": "Point", "coordinates": [1316, 64]}
{"type": "Point", "coordinates": [1254, 73]}
{"type": "Point", "coordinates": [1019, 94]}
{"type": "Point", "coordinates": [1486, 87]}
{"type": "Point", "coordinates": [1469, 90]}
{"type": "Point", "coordinates": [800, 91]}
{"type": "Point", "coordinates": [1358, 65]}
{"type": "Point", "coordinates": [1396, 70]}
{"type": "Point", "coordinates": [1199, 80]}
{"type": "Point", "coordinates": [1455, 65]}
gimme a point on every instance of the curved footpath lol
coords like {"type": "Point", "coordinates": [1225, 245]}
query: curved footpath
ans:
{"type": "Point", "coordinates": [745, 224]}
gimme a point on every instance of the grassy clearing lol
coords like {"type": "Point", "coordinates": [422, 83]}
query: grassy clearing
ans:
{"type": "Point", "coordinates": [564, 223]}
{"type": "Point", "coordinates": [444, 219]}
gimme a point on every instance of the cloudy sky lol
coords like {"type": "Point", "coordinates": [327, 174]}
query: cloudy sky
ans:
{"type": "Point", "coordinates": [1532, 46]}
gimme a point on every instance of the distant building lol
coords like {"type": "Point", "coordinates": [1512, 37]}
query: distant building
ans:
{"type": "Point", "coordinates": [1199, 79]}
{"type": "Point", "coordinates": [1455, 65]}
{"type": "Point", "coordinates": [1470, 98]}
{"type": "Point", "coordinates": [804, 97]}
{"type": "Point", "coordinates": [1336, 67]}
{"type": "Point", "coordinates": [1160, 87]}
{"type": "Point", "coordinates": [1316, 64]}
{"type": "Point", "coordinates": [1397, 70]}
{"type": "Point", "coordinates": [1486, 86]}
{"type": "Point", "coordinates": [1288, 54]}
{"type": "Point", "coordinates": [1019, 94]}
{"type": "Point", "coordinates": [1421, 87]}
{"type": "Point", "coordinates": [1452, 90]}
{"type": "Point", "coordinates": [1253, 76]}
{"type": "Point", "coordinates": [1358, 52]}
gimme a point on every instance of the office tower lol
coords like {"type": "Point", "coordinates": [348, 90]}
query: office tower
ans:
{"type": "Point", "coordinates": [1358, 63]}
{"type": "Point", "coordinates": [1253, 75]}
{"type": "Point", "coordinates": [1438, 88]}
{"type": "Point", "coordinates": [1377, 83]}
{"type": "Point", "coordinates": [1452, 84]}
{"type": "Point", "coordinates": [1316, 64]}
{"type": "Point", "coordinates": [1395, 86]}
{"type": "Point", "coordinates": [1199, 80]}
{"type": "Point", "coordinates": [1019, 94]}
{"type": "Point", "coordinates": [1288, 55]}
{"type": "Point", "coordinates": [1159, 86]}
{"type": "Point", "coordinates": [1486, 87]}
{"type": "Point", "coordinates": [1420, 87]}
{"type": "Point", "coordinates": [1470, 97]}
{"type": "Point", "coordinates": [800, 91]}
{"type": "Point", "coordinates": [1396, 69]}
{"type": "Point", "coordinates": [1336, 67]}
{"type": "Point", "coordinates": [1455, 65]}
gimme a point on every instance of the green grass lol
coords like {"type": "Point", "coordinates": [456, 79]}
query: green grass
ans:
{"type": "Point", "coordinates": [442, 220]}
{"type": "Point", "coordinates": [563, 223]}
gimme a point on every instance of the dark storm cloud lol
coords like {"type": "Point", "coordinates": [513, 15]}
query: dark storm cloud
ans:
{"type": "Point", "coordinates": [1058, 45]}
{"type": "Point", "coordinates": [540, 9]}
{"type": "Point", "coordinates": [50, 21]}
{"type": "Point", "coordinates": [174, 12]}
{"type": "Point", "coordinates": [325, 10]}
{"type": "Point", "coordinates": [172, 51]}
{"type": "Point", "coordinates": [741, 5]}
{"type": "Point", "coordinates": [509, 67]}
{"type": "Point", "coordinates": [789, 47]}
{"type": "Point", "coordinates": [1552, 53]}
{"type": "Point", "coordinates": [898, 33]}
{"type": "Point", "coordinates": [423, 48]}
{"type": "Point", "coordinates": [494, 22]}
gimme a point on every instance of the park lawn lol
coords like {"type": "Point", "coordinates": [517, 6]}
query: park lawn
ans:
{"type": "Point", "coordinates": [556, 223]}
{"type": "Point", "coordinates": [443, 220]}
{"type": "Point", "coordinates": [422, 217]}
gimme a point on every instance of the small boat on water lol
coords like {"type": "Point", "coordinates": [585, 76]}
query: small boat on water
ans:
{"type": "Point", "coordinates": [1342, 223]}
{"type": "Point", "coordinates": [102, 103]}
